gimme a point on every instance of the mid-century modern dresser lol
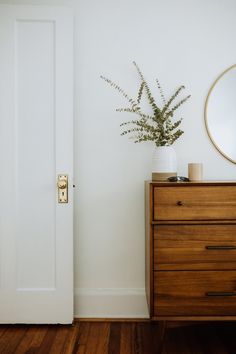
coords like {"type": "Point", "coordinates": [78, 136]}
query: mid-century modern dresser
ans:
{"type": "Point", "coordinates": [191, 250]}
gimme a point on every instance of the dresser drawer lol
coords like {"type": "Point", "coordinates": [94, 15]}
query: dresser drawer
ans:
{"type": "Point", "coordinates": [194, 203]}
{"type": "Point", "coordinates": [191, 293]}
{"type": "Point", "coordinates": [189, 247]}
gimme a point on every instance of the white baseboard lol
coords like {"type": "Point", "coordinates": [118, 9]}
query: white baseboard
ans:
{"type": "Point", "coordinates": [110, 303]}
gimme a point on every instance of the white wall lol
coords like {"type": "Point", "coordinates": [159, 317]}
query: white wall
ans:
{"type": "Point", "coordinates": [186, 42]}
{"type": "Point", "coordinates": [180, 42]}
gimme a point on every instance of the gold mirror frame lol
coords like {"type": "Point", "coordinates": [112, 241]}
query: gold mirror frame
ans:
{"type": "Point", "coordinates": [205, 112]}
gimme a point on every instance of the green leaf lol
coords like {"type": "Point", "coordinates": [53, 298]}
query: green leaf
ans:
{"type": "Point", "coordinates": [157, 127]}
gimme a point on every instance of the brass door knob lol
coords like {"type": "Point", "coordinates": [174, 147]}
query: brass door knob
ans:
{"type": "Point", "coordinates": [62, 184]}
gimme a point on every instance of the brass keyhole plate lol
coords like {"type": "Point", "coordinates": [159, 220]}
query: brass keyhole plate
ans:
{"type": "Point", "coordinates": [62, 187]}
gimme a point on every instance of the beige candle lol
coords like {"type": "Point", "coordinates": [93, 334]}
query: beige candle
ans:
{"type": "Point", "coordinates": [195, 171]}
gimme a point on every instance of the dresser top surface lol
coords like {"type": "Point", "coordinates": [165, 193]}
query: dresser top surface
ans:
{"type": "Point", "coordinates": [193, 183]}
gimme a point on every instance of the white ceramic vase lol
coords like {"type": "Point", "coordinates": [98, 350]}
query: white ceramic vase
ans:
{"type": "Point", "coordinates": [164, 163]}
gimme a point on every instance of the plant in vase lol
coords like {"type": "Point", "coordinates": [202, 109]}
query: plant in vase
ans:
{"type": "Point", "coordinates": [158, 126]}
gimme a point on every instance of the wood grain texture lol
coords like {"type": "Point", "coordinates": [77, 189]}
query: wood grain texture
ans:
{"type": "Point", "coordinates": [192, 183]}
{"type": "Point", "coordinates": [11, 338]}
{"type": "Point", "coordinates": [185, 293]}
{"type": "Point", "coordinates": [33, 338]}
{"type": "Point", "coordinates": [149, 246]}
{"type": "Point", "coordinates": [83, 338]}
{"type": "Point", "coordinates": [193, 222]}
{"type": "Point", "coordinates": [195, 203]}
{"type": "Point", "coordinates": [186, 247]}
{"type": "Point", "coordinates": [119, 338]}
{"type": "Point", "coordinates": [189, 319]}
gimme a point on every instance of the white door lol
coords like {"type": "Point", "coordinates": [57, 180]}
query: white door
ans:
{"type": "Point", "coordinates": [36, 145]}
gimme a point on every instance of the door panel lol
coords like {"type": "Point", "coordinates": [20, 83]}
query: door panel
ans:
{"type": "Point", "coordinates": [35, 153]}
{"type": "Point", "coordinates": [36, 134]}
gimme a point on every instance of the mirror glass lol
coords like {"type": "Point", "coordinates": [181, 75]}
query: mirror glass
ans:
{"type": "Point", "coordinates": [220, 113]}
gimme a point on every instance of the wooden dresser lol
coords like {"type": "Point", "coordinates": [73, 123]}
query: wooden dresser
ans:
{"type": "Point", "coordinates": [191, 250]}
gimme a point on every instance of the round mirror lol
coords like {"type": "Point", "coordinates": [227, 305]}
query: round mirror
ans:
{"type": "Point", "coordinates": [220, 113]}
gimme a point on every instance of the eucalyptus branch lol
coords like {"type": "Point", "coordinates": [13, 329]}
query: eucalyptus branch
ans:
{"type": "Point", "coordinates": [140, 92]}
{"type": "Point", "coordinates": [176, 124]}
{"type": "Point", "coordinates": [157, 127]}
{"type": "Point", "coordinates": [172, 98]}
{"type": "Point", "coordinates": [137, 111]}
{"type": "Point", "coordinates": [148, 91]}
{"type": "Point", "coordinates": [171, 112]}
{"type": "Point", "coordinates": [141, 124]}
{"type": "Point", "coordinates": [161, 92]}
{"type": "Point", "coordinates": [118, 88]}
{"type": "Point", "coordinates": [143, 137]}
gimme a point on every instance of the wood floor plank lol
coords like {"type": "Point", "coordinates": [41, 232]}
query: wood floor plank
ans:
{"type": "Point", "coordinates": [114, 338]}
{"type": "Point", "coordinates": [37, 339]}
{"type": "Point", "coordinates": [11, 338]}
{"type": "Point", "coordinates": [3, 329]}
{"type": "Point", "coordinates": [70, 342]}
{"type": "Point", "coordinates": [97, 341]}
{"type": "Point", "coordinates": [92, 338]}
{"type": "Point", "coordinates": [60, 340]}
{"type": "Point", "coordinates": [149, 339]}
{"type": "Point", "coordinates": [83, 330]}
{"type": "Point", "coordinates": [103, 338]}
{"type": "Point", "coordinates": [31, 335]}
{"type": "Point", "coordinates": [127, 338]}
{"type": "Point", "coordinates": [48, 340]}
{"type": "Point", "coordinates": [118, 338]}
{"type": "Point", "coordinates": [157, 336]}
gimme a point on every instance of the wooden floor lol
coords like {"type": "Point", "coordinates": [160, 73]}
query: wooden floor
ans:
{"type": "Point", "coordinates": [118, 338]}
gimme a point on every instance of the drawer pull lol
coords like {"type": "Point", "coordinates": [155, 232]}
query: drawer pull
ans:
{"type": "Point", "coordinates": [221, 247]}
{"type": "Point", "coordinates": [221, 293]}
{"type": "Point", "coordinates": [179, 203]}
